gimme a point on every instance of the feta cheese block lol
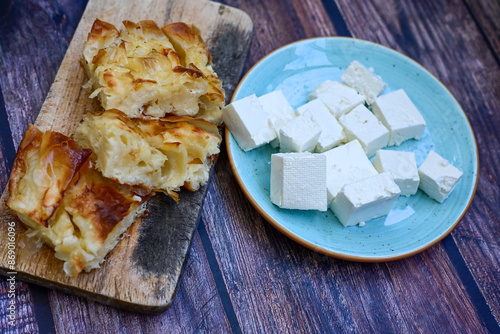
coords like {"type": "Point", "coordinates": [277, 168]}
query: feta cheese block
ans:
{"type": "Point", "coordinates": [332, 133]}
{"type": "Point", "coordinates": [298, 181]}
{"type": "Point", "coordinates": [278, 108]}
{"type": "Point", "coordinates": [301, 134]}
{"type": "Point", "coordinates": [365, 199]}
{"type": "Point", "coordinates": [438, 177]}
{"type": "Point", "coordinates": [337, 96]}
{"type": "Point", "coordinates": [364, 81]}
{"type": "Point", "coordinates": [346, 164]}
{"type": "Point", "coordinates": [400, 116]}
{"type": "Point", "coordinates": [362, 125]}
{"type": "Point", "coordinates": [403, 168]}
{"type": "Point", "coordinates": [248, 122]}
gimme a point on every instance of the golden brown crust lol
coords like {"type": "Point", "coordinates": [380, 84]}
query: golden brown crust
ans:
{"type": "Point", "coordinates": [104, 203]}
{"type": "Point", "coordinates": [188, 43]}
{"type": "Point", "coordinates": [46, 164]}
{"type": "Point", "coordinates": [144, 29]}
{"type": "Point", "coordinates": [193, 53]}
{"type": "Point", "coordinates": [141, 71]}
{"type": "Point", "coordinates": [102, 30]}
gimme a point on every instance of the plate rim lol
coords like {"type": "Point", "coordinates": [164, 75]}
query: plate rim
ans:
{"type": "Point", "coordinates": [300, 240]}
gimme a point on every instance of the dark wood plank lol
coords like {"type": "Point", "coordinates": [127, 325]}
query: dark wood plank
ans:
{"type": "Point", "coordinates": [24, 314]}
{"type": "Point", "coordinates": [487, 15]}
{"type": "Point", "coordinates": [197, 307]}
{"type": "Point", "coordinates": [459, 56]}
{"type": "Point", "coordinates": [4, 174]}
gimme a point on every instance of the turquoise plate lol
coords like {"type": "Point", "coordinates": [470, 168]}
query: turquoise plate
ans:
{"type": "Point", "coordinates": [416, 222]}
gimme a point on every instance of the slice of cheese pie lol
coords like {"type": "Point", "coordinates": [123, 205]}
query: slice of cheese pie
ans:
{"type": "Point", "coordinates": [145, 70]}
{"type": "Point", "coordinates": [159, 154]}
{"type": "Point", "coordinates": [68, 204]}
{"type": "Point", "coordinates": [45, 166]}
{"type": "Point", "coordinates": [90, 220]}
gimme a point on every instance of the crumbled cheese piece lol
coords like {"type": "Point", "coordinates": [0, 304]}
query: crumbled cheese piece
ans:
{"type": "Point", "coordinates": [298, 181]}
{"type": "Point", "coordinates": [403, 168]}
{"type": "Point", "coordinates": [365, 199]}
{"type": "Point", "coordinates": [332, 133]}
{"type": "Point", "coordinates": [361, 124]}
{"type": "Point", "coordinates": [278, 108]}
{"type": "Point", "coordinates": [400, 116]}
{"type": "Point", "coordinates": [248, 123]}
{"type": "Point", "coordinates": [337, 96]}
{"type": "Point", "coordinates": [301, 134]}
{"type": "Point", "coordinates": [346, 164]}
{"type": "Point", "coordinates": [364, 81]}
{"type": "Point", "coordinates": [438, 177]}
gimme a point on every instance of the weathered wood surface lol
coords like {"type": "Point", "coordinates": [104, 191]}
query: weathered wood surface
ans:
{"type": "Point", "coordinates": [154, 255]}
{"type": "Point", "coordinates": [25, 321]}
{"type": "Point", "coordinates": [486, 14]}
{"type": "Point", "coordinates": [271, 284]}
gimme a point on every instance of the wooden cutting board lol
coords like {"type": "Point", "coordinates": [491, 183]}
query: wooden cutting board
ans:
{"type": "Point", "coordinates": [143, 272]}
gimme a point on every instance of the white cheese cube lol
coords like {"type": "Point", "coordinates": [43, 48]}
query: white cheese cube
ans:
{"type": "Point", "coordinates": [301, 134]}
{"type": "Point", "coordinates": [337, 96]}
{"type": "Point", "coordinates": [365, 199]}
{"type": "Point", "coordinates": [279, 110]}
{"type": "Point", "coordinates": [248, 122]}
{"type": "Point", "coordinates": [438, 177]}
{"type": "Point", "coordinates": [332, 133]}
{"type": "Point", "coordinates": [400, 116]}
{"type": "Point", "coordinates": [298, 181]}
{"type": "Point", "coordinates": [346, 164]}
{"type": "Point", "coordinates": [364, 81]}
{"type": "Point", "coordinates": [403, 168]}
{"type": "Point", "coordinates": [362, 125]}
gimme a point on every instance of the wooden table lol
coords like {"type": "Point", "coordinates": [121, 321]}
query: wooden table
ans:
{"type": "Point", "coordinates": [242, 274]}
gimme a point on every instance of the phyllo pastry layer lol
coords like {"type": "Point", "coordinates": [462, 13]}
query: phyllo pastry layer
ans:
{"type": "Point", "coordinates": [145, 70]}
{"type": "Point", "coordinates": [159, 154]}
{"type": "Point", "coordinates": [45, 166]}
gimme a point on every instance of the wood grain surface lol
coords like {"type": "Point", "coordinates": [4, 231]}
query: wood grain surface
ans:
{"type": "Point", "coordinates": [485, 13]}
{"type": "Point", "coordinates": [242, 275]}
{"type": "Point", "coordinates": [154, 254]}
